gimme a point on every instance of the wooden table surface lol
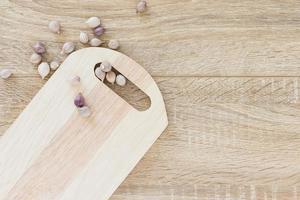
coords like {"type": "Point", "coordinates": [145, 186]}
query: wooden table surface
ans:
{"type": "Point", "coordinates": [229, 71]}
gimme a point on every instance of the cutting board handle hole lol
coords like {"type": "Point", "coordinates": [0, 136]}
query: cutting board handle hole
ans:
{"type": "Point", "coordinates": [130, 93]}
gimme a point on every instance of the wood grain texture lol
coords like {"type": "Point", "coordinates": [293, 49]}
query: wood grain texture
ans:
{"type": "Point", "coordinates": [228, 71]}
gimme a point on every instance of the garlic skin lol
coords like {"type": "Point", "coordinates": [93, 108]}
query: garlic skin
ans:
{"type": "Point", "coordinates": [98, 31]}
{"type": "Point", "coordinates": [39, 48]}
{"type": "Point", "coordinates": [141, 6]}
{"type": "Point", "coordinates": [93, 22]}
{"type": "Point", "coordinates": [121, 80]}
{"type": "Point", "coordinates": [5, 73]}
{"type": "Point", "coordinates": [83, 37]}
{"type": "Point", "coordinates": [35, 58]}
{"type": "Point", "coordinates": [44, 69]}
{"type": "Point", "coordinates": [105, 66]}
{"type": "Point", "coordinates": [68, 48]}
{"type": "Point", "coordinates": [111, 77]}
{"type": "Point", "coordinates": [100, 74]}
{"type": "Point", "coordinates": [54, 65]}
{"type": "Point", "coordinates": [113, 44]}
{"type": "Point", "coordinates": [95, 42]}
{"type": "Point", "coordinates": [75, 80]}
{"type": "Point", "coordinates": [84, 111]}
{"type": "Point", "coordinates": [54, 26]}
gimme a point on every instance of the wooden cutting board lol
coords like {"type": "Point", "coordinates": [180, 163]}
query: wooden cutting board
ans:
{"type": "Point", "coordinates": [51, 152]}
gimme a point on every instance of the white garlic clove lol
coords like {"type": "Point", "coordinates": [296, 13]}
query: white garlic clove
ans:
{"type": "Point", "coordinates": [95, 42]}
{"type": "Point", "coordinates": [100, 74]}
{"type": "Point", "coordinates": [54, 65]}
{"type": "Point", "coordinates": [5, 73]}
{"type": "Point", "coordinates": [141, 6]}
{"type": "Point", "coordinates": [54, 27]}
{"type": "Point", "coordinates": [93, 22]}
{"type": "Point", "coordinates": [111, 77]}
{"type": "Point", "coordinates": [35, 58]}
{"type": "Point", "coordinates": [120, 80]}
{"type": "Point", "coordinates": [84, 111]}
{"type": "Point", "coordinates": [83, 37]}
{"type": "Point", "coordinates": [75, 80]}
{"type": "Point", "coordinates": [113, 44]}
{"type": "Point", "coordinates": [44, 69]}
{"type": "Point", "coordinates": [105, 66]}
{"type": "Point", "coordinates": [68, 48]}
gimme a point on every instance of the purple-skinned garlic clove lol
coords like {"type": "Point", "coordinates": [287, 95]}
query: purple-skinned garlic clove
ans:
{"type": "Point", "coordinates": [79, 100]}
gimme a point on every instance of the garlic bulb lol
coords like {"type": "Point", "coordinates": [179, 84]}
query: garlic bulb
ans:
{"type": "Point", "coordinates": [95, 42]}
{"type": "Point", "coordinates": [54, 27]}
{"type": "Point", "coordinates": [43, 69]}
{"type": "Point", "coordinates": [113, 44]}
{"type": "Point", "coordinates": [83, 37]}
{"type": "Point", "coordinates": [35, 58]}
{"type": "Point", "coordinates": [100, 74]}
{"type": "Point", "coordinates": [93, 22]}
{"type": "Point", "coordinates": [54, 64]}
{"type": "Point", "coordinates": [84, 111]}
{"type": "Point", "coordinates": [68, 47]}
{"type": "Point", "coordinates": [5, 73]}
{"type": "Point", "coordinates": [111, 77]}
{"type": "Point", "coordinates": [39, 48]}
{"type": "Point", "coordinates": [105, 66]}
{"type": "Point", "coordinates": [121, 80]}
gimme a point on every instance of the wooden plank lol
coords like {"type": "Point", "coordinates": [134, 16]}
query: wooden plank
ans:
{"type": "Point", "coordinates": [174, 38]}
{"type": "Point", "coordinates": [226, 136]}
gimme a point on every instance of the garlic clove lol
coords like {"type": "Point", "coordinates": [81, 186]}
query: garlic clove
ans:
{"type": "Point", "coordinates": [95, 42]}
{"type": "Point", "coordinates": [54, 27]}
{"type": "Point", "coordinates": [105, 66]}
{"type": "Point", "coordinates": [68, 48]}
{"type": "Point", "coordinates": [100, 74]}
{"type": "Point", "coordinates": [141, 6]}
{"type": "Point", "coordinates": [120, 80]}
{"type": "Point", "coordinates": [93, 22]}
{"type": "Point", "coordinates": [98, 31]}
{"type": "Point", "coordinates": [39, 48]}
{"type": "Point", "coordinates": [5, 73]}
{"type": "Point", "coordinates": [113, 44]}
{"type": "Point", "coordinates": [83, 37]}
{"type": "Point", "coordinates": [54, 65]}
{"type": "Point", "coordinates": [84, 111]}
{"type": "Point", "coordinates": [111, 77]}
{"type": "Point", "coordinates": [35, 58]}
{"type": "Point", "coordinates": [43, 69]}
{"type": "Point", "coordinates": [79, 100]}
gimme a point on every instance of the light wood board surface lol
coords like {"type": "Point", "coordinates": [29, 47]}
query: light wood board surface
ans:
{"type": "Point", "coordinates": [229, 73]}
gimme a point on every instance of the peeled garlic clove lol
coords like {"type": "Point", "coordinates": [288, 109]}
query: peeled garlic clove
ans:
{"type": "Point", "coordinates": [54, 27]}
{"type": "Point", "coordinates": [99, 30]}
{"type": "Point", "coordinates": [121, 80]}
{"type": "Point", "coordinates": [105, 66]}
{"type": "Point", "coordinates": [83, 37]}
{"type": "Point", "coordinates": [5, 73]}
{"type": "Point", "coordinates": [35, 58]}
{"type": "Point", "coordinates": [111, 77]}
{"type": "Point", "coordinates": [141, 6]}
{"type": "Point", "coordinates": [100, 74]}
{"type": "Point", "coordinates": [54, 65]}
{"type": "Point", "coordinates": [43, 69]}
{"type": "Point", "coordinates": [68, 47]}
{"type": "Point", "coordinates": [93, 22]}
{"type": "Point", "coordinates": [39, 48]}
{"type": "Point", "coordinates": [113, 44]}
{"type": "Point", "coordinates": [95, 42]}
{"type": "Point", "coordinates": [84, 111]}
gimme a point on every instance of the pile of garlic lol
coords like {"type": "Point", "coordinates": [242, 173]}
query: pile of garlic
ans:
{"type": "Point", "coordinates": [104, 72]}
